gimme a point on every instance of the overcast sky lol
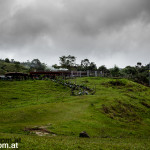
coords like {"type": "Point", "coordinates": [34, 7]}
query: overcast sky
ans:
{"type": "Point", "coordinates": [107, 32]}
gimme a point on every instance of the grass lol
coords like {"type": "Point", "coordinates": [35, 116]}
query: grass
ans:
{"type": "Point", "coordinates": [116, 117]}
{"type": "Point", "coordinates": [11, 67]}
{"type": "Point", "coordinates": [68, 143]}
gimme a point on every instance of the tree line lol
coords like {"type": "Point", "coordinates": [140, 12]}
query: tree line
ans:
{"type": "Point", "coordinates": [138, 73]}
{"type": "Point", "coordinates": [34, 65]}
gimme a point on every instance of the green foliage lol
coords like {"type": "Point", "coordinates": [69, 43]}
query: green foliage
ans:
{"type": "Point", "coordinates": [115, 71]}
{"type": "Point", "coordinates": [11, 67]}
{"type": "Point", "coordinates": [67, 62]}
{"type": "Point", "coordinates": [85, 63]}
{"type": "Point", "coordinates": [130, 70]}
{"type": "Point", "coordinates": [102, 68]}
{"type": "Point", "coordinates": [92, 66]}
{"type": "Point", "coordinates": [37, 65]}
{"type": "Point", "coordinates": [138, 74]}
{"type": "Point", "coordinates": [116, 117]}
{"type": "Point", "coordinates": [56, 66]}
{"type": "Point", "coordinates": [7, 60]}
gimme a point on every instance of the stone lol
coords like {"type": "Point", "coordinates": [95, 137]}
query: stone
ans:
{"type": "Point", "coordinates": [84, 134]}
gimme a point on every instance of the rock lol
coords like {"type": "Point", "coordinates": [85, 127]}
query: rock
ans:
{"type": "Point", "coordinates": [84, 134]}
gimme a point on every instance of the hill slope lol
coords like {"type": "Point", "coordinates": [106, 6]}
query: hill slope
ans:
{"type": "Point", "coordinates": [116, 117]}
{"type": "Point", "coordinates": [11, 67]}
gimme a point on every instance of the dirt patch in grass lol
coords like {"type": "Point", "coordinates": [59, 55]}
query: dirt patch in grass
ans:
{"type": "Point", "coordinates": [40, 131]}
{"type": "Point", "coordinates": [122, 112]}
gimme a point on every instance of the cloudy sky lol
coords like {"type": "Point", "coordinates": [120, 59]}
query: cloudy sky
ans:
{"type": "Point", "coordinates": [107, 32]}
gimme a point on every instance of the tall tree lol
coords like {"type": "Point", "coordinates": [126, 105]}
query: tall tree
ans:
{"type": "Point", "coordinates": [92, 66]}
{"type": "Point", "coordinates": [7, 60]}
{"type": "Point", "coordinates": [67, 61]}
{"type": "Point", "coordinates": [85, 63]}
{"type": "Point", "coordinates": [103, 69]}
{"type": "Point", "coordinates": [115, 71]}
{"type": "Point", "coordinates": [37, 65]}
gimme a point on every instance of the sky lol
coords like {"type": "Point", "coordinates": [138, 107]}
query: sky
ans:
{"type": "Point", "coordinates": [107, 32]}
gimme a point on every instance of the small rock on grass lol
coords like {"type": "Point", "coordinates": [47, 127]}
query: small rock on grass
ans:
{"type": "Point", "coordinates": [84, 134]}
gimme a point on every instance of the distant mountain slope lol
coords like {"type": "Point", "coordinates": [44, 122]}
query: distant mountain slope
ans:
{"type": "Point", "coordinates": [11, 67]}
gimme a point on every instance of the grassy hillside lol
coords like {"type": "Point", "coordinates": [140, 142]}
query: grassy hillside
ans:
{"type": "Point", "coordinates": [116, 117]}
{"type": "Point", "coordinates": [11, 67]}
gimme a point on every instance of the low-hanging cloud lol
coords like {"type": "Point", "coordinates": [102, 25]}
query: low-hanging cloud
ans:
{"type": "Point", "coordinates": [104, 31]}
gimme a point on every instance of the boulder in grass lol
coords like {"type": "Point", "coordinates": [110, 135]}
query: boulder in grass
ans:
{"type": "Point", "coordinates": [84, 134]}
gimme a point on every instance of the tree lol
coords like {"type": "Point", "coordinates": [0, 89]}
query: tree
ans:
{"type": "Point", "coordinates": [12, 60]}
{"type": "Point", "coordinates": [78, 67]}
{"type": "Point", "coordinates": [67, 62]}
{"type": "Point", "coordinates": [85, 63]}
{"type": "Point", "coordinates": [37, 65]}
{"type": "Point", "coordinates": [7, 60]}
{"type": "Point", "coordinates": [17, 62]}
{"type": "Point", "coordinates": [92, 66]}
{"type": "Point", "coordinates": [55, 66]}
{"type": "Point", "coordinates": [142, 75]}
{"type": "Point", "coordinates": [115, 71]}
{"type": "Point", "coordinates": [103, 69]}
{"type": "Point", "coordinates": [139, 64]}
{"type": "Point", "coordinates": [130, 70]}
{"type": "Point", "coordinates": [17, 66]}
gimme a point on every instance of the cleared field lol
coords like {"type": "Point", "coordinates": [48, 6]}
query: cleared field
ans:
{"type": "Point", "coordinates": [116, 117]}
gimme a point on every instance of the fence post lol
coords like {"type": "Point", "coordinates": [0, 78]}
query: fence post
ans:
{"type": "Point", "coordinates": [87, 73]}
{"type": "Point", "coordinates": [71, 73]}
{"type": "Point", "coordinates": [95, 73]}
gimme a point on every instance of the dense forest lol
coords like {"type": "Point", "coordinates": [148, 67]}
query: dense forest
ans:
{"type": "Point", "coordinates": [138, 73]}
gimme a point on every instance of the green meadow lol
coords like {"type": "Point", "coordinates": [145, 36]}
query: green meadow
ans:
{"type": "Point", "coordinates": [116, 117]}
